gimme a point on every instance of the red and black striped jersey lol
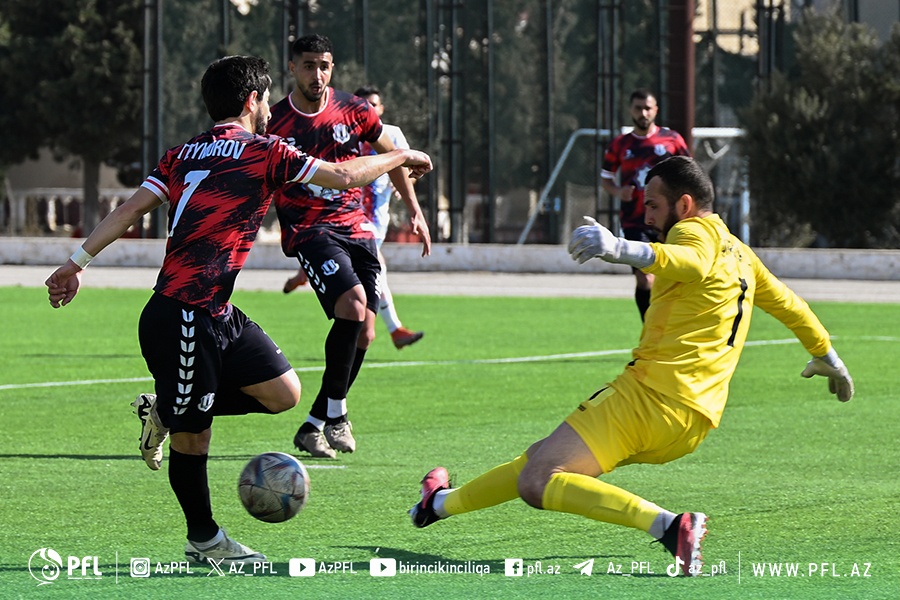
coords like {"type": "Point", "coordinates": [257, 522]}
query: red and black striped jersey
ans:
{"type": "Point", "coordinates": [334, 134]}
{"type": "Point", "coordinates": [219, 186]}
{"type": "Point", "coordinates": [633, 156]}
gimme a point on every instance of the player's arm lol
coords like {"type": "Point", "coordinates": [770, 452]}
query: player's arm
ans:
{"type": "Point", "coordinates": [687, 257]}
{"type": "Point", "coordinates": [404, 186]}
{"type": "Point", "coordinates": [610, 166]}
{"type": "Point", "coordinates": [625, 193]}
{"type": "Point", "coordinates": [593, 240]}
{"type": "Point", "coordinates": [363, 170]}
{"type": "Point", "coordinates": [63, 284]}
{"type": "Point", "coordinates": [774, 297]}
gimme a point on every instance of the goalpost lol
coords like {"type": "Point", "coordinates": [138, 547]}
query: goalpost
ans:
{"type": "Point", "coordinates": [712, 147]}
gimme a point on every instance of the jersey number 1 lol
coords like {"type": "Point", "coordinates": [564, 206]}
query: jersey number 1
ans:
{"type": "Point", "coordinates": [737, 319]}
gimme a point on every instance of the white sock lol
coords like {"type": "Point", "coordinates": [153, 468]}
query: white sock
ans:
{"type": "Point", "coordinates": [386, 309]}
{"type": "Point", "coordinates": [337, 408]}
{"type": "Point", "coordinates": [437, 505]}
{"type": "Point", "coordinates": [207, 545]}
{"type": "Point", "coordinates": [661, 523]}
{"type": "Point", "coordinates": [317, 423]}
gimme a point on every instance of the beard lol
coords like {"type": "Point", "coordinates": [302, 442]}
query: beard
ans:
{"type": "Point", "coordinates": [259, 123]}
{"type": "Point", "coordinates": [641, 123]}
{"type": "Point", "coordinates": [310, 95]}
{"type": "Point", "coordinates": [671, 220]}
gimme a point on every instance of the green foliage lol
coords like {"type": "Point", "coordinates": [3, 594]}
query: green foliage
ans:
{"type": "Point", "coordinates": [73, 78]}
{"type": "Point", "coordinates": [822, 142]}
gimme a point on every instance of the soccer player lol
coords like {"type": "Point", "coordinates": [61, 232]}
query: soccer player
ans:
{"type": "Point", "coordinates": [206, 357]}
{"type": "Point", "coordinates": [376, 202]}
{"type": "Point", "coordinates": [329, 233]}
{"type": "Point", "coordinates": [674, 390]}
{"type": "Point", "coordinates": [630, 157]}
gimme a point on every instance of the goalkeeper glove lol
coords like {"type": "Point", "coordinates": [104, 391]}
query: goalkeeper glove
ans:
{"type": "Point", "coordinates": [832, 367]}
{"type": "Point", "coordinates": [594, 239]}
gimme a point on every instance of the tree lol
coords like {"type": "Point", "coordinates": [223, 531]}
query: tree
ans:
{"type": "Point", "coordinates": [822, 142]}
{"type": "Point", "coordinates": [73, 83]}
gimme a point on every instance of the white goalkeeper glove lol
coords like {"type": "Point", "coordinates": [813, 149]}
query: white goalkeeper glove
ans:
{"type": "Point", "coordinates": [594, 239]}
{"type": "Point", "coordinates": [832, 367]}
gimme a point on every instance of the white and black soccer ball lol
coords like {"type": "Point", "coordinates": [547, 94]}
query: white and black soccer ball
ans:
{"type": "Point", "coordinates": [274, 487]}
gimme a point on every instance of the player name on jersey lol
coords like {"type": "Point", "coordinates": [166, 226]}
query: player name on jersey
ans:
{"type": "Point", "coordinates": [221, 148]}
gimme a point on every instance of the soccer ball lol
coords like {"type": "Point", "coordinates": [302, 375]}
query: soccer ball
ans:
{"type": "Point", "coordinates": [274, 487]}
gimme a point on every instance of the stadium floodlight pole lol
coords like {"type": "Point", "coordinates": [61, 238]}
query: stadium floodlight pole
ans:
{"type": "Point", "coordinates": [151, 141]}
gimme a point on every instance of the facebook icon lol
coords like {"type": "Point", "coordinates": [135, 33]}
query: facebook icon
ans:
{"type": "Point", "coordinates": [513, 567]}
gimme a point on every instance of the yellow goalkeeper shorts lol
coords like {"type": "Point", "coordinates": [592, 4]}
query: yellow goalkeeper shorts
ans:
{"type": "Point", "coordinates": [628, 423]}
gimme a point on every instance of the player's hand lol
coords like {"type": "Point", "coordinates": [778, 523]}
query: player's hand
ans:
{"type": "Point", "coordinates": [592, 240]}
{"type": "Point", "coordinates": [626, 193]}
{"type": "Point", "coordinates": [832, 367]}
{"type": "Point", "coordinates": [63, 284]}
{"type": "Point", "coordinates": [420, 228]}
{"type": "Point", "coordinates": [418, 163]}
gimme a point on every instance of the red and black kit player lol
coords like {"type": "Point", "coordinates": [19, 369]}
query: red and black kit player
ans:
{"type": "Point", "coordinates": [629, 157]}
{"type": "Point", "coordinates": [328, 232]}
{"type": "Point", "coordinates": [206, 357]}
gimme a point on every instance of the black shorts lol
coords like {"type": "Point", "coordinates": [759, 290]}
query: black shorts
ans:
{"type": "Point", "coordinates": [640, 234]}
{"type": "Point", "coordinates": [191, 355]}
{"type": "Point", "coordinates": [336, 263]}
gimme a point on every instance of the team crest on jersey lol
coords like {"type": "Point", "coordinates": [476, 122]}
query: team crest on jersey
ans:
{"type": "Point", "coordinates": [329, 267]}
{"type": "Point", "coordinates": [341, 133]}
{"type": "Point", "coordinates": [660, 150]}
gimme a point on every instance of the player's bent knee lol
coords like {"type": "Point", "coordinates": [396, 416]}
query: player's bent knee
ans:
{"type": "Point", "coordinates": [366, 337]}
{"type": "Point", "coordinates": [196, 444]}
{"type": "Point", "coordinates": [278, 395]}
{"type": "Point", "coordinates": [289, 397]}
{"type": "Point", "coordinates": [283, 403]}
{"type": "Point", "coordinates": [531, 489]}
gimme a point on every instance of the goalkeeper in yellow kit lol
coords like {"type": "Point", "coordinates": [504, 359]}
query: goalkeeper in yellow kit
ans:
{"type": "Point", "coordinates": [675, 388]}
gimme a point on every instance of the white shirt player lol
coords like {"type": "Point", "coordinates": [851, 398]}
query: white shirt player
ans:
{"type": "Point", "coordinates": [382, 190]}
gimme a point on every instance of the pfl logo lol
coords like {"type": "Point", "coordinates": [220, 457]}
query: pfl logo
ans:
{"type": "Point", "coordinates": [45, 565]}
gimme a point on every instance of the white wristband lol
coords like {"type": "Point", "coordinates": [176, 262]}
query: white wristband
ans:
{"type": "Point", "coordinates": [81, 258]}
{"type": "Point", "coordinates": [831, 359]}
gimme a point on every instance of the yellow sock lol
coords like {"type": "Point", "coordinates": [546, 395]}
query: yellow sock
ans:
{"type": "Point", "coordinates": [594, 499]}
{"type": "Point", "coordinates": [498, 485]}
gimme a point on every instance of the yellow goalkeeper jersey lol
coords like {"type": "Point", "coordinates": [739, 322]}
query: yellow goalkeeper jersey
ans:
{"type": "Point", "coordinates": [707, 282]}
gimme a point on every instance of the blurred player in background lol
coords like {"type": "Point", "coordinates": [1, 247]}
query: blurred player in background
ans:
{"type": "Point", "coordinates": [377, 201]}
{"type": "Point", "coordinates": [674, 390]}
{"type": "Point", "coordinates": [628, 159]}
{"type": "Point", "coordinates": [206, 357]}
{"type": "Point", "coordinates": [329, 233]}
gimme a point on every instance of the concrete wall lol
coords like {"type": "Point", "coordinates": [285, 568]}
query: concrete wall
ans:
{"type": "Point", "coordinates": [789, 263]}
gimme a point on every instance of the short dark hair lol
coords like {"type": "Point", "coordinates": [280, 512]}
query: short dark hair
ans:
{"type": "Point", "coordinates": [683, 175]}
{"type": "Point", "coordinates": [641, 94]}
{"type": "Point", "coordinates": [315, 43]}
{"type": "Point", "coordinates": [229, 81]}
{"type": "Point", "coordinates": [366, 90]}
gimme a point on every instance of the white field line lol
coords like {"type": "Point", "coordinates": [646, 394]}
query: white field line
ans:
{"type": "Point", "coordinates": [429, 363]}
